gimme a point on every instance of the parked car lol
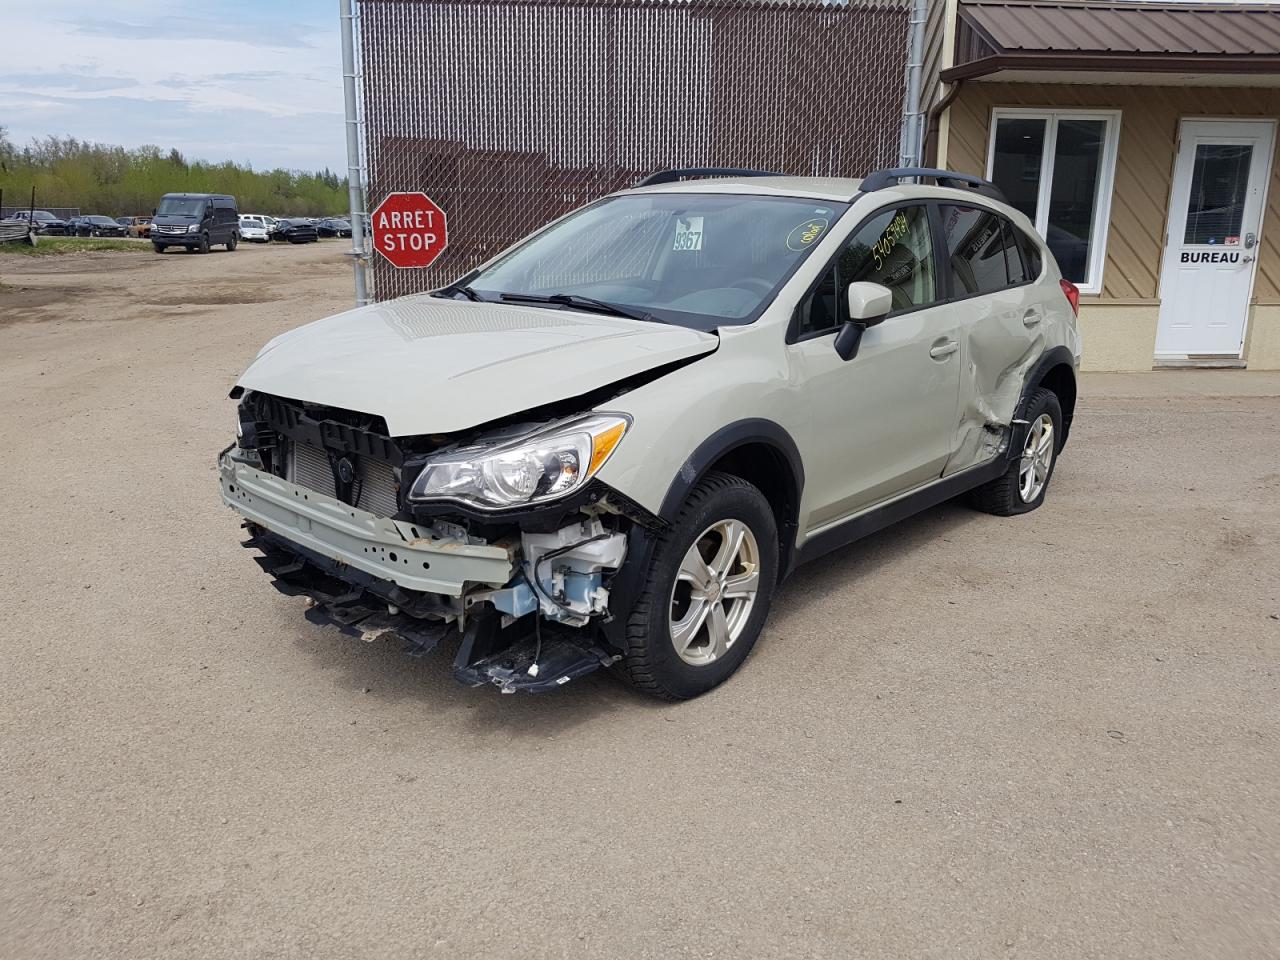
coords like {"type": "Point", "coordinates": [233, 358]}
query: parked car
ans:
{"type": "Point", "coordinates": [98, 226]}
{"type": "Point", "coordinates": [334, 227]}
{"type": "Point", "coordinates": [253, 227]}
{"type": "Point", "coordinates": [295, 230]}
{"type": "Point", "coordinates": [610, 444]}
{"type": "Point", "coordinates": [44, 222]}
{"type": "Point", "coordinates": [196, 221]}
{"type": "Point", "coordinates": [136, 226]}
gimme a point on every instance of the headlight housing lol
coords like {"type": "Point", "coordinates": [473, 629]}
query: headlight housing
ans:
{"type": "Point", "coordinates": [535, 468]}
{"type": "Point", "coordinates": [193, 228]}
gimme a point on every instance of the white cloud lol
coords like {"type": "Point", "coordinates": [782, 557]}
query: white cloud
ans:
{"type": "Point", "coordinates": [265, 84]}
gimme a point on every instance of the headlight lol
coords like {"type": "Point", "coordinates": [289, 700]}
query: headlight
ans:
{"type": "Point", "coordinates": [193, 228]}
{"type": "Point", "coordinates": [530, 469]}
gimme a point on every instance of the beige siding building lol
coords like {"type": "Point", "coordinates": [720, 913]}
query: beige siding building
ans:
{"type": "Point", "coordinates": [1141, 140]}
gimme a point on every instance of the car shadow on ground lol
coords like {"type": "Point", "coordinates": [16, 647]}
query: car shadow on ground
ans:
{"type": "Point", "coordinates": [843, 567]}
{"type": "Point", "coordinates": [386, 672]}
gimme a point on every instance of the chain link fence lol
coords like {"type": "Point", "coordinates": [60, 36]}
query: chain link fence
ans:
{"type": "Point", "coordinates": [509, 113]}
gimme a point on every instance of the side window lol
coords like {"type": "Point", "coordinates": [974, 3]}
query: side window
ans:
{"type": "Point", "coordinates": [1030, 255]}
{"type": "Point", "coordinates": [1012, 254]}
{"type": "Point", "coordinates": [982, 250]}
{"type": "Point", "coordinates": [893, 248]}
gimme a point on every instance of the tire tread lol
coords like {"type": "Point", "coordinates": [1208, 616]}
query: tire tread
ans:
{"type": "Point", "coordinates": [637, 662]}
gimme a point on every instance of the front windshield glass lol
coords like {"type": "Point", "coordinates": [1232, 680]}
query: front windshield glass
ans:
{"type": "Point", "coordinates": [179, 207]}
{"type": "Point", "coordinates": [697, 260]}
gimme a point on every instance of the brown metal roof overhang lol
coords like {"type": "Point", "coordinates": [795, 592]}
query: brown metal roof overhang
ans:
{"type": "Point", "coordinates": [997, 35]}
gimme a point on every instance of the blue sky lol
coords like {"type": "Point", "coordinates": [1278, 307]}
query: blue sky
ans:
{"type": "Point", "coordinates": [257, 82]}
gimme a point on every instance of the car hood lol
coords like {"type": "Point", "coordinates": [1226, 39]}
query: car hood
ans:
{"type": "Point", "coordinates": [430, 365]}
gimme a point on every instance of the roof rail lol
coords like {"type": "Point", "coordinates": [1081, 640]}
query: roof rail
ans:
{"type": "Point", "coordinates": [671, 176]}
{"type": "Point", "coordinates": [944, 178]}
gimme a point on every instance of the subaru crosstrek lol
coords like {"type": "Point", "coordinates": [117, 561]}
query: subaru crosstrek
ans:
{"type": "Point", "coordinates": [611, 443]}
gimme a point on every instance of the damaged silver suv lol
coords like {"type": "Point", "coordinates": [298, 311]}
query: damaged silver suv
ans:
{"type": "Point", "coordinates": [610, 444]}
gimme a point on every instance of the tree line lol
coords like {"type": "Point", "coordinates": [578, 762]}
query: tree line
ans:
{"type": "Point", "coordinates": [101, 178]}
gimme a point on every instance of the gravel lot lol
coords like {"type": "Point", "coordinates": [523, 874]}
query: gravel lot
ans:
{"type": "Point", "coordinates": [1055, 736]}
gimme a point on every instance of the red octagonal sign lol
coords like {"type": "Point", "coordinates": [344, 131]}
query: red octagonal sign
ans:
{"type": "Point", "coordinates": [409, 230]}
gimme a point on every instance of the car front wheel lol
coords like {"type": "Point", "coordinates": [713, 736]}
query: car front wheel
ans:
{"type": "Point", "coordinates": [707, 592]}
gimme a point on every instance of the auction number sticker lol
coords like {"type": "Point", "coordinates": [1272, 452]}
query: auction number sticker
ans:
{"type": "Point", "coordinates": [688, 233]}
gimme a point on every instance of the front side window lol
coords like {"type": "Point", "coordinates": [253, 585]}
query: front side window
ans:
{"type": "Point", "coordinates": [1058, 167]}
{"type": "Point", "coordinates": [894, 249]}
{"type": "Point", "coordinates": [699, 260]}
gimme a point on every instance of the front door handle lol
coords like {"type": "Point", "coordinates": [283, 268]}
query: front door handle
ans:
{"type": "Point", "coordinates": [1031, 317]}
{"type": "Point", "coordinates": [942, 349]}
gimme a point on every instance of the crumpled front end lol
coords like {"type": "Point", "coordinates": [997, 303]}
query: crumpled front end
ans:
{"type": "Point", "coordinates": [321, 495]}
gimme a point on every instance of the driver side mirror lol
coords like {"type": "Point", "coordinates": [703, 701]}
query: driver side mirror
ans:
{"type": "Point", "coordinates": [869, 304]}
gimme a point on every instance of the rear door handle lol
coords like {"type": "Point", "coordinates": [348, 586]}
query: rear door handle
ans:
{"type": "Point", "coordinates": [1031, 317]}
{"type": "Point", "coordinates": [942, 349]}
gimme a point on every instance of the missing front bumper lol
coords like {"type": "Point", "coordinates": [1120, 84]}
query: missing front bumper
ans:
{"type": "Point", "coordinates": [373, 577]}
{"type": "Point", "coordinates": [412, 556]}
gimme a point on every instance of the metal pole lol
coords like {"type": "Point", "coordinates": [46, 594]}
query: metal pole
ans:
{"type": "Point", "coordinates": [355, 185]}
{"type": "Point", "coordinates": [911, 112]}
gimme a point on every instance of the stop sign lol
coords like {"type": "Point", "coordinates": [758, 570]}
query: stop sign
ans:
{"type": "Point", "coordinates": [409, 230]}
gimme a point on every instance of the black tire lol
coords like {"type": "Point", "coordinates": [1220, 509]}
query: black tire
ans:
{"type": "Point", "coordinates": [158, 247]}
{"type": "Point", "coordinates": [231, 243]}
{"type": "Point", "coordinates": [650, 662]}
{"type": "Point", "coordinates": [1002, 496]}
{"type": "Point", "coordinates": [203, 246]}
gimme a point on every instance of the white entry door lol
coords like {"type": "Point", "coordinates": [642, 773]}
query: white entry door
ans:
{"type": "Point", "coordinates": [1211, 251]}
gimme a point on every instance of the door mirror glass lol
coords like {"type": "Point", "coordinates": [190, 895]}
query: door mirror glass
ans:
{"type": "Point", "coordinates": [869, 302]}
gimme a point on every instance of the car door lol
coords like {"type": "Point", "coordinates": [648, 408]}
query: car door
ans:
{"type": "Point", "coordinates": [1001, 320]}
{"type": "Point", "coordinates": [884, 422]}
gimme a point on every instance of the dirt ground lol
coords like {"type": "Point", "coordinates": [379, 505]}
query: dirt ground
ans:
{"type": "Point", "coordinates": [1053, 736]}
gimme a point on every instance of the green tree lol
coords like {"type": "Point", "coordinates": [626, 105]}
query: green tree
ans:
{"type": "Point", "coordinates": [106, 179]}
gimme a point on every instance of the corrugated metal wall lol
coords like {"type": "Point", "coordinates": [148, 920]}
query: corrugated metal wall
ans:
{"type": "Point", "coordinates": [1144, 165]}
{"type": "Point", "coordinates": [511, 112]}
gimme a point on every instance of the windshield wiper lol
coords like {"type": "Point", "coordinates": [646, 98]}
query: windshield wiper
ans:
{"type": "Point", "coordinates": [581, 303]}
{"type": "Point", "coordinates": [461, 288]}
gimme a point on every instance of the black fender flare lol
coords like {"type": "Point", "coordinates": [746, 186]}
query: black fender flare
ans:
{"type": "Point", "coordinates": [728, 438]}
{"type": "Point", "coordinates": [1055, 357]}
{"type": "Point", "coordinates": [627, 584]}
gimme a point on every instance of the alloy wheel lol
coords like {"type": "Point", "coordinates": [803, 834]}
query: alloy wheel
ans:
{"type": "Point", "coordinates": [1037, 458]}
{"type": "Point", "coordinates": [715, 592]}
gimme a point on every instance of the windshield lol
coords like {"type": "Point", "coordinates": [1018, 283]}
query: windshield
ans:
{"type": "Point", "coordinates": [696, 260]}
{"type": "Point", "coordinates": [179, 207]}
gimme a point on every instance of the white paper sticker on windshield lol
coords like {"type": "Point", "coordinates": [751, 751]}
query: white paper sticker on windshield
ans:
{"type": "Point", "coordinates": [688, 233]}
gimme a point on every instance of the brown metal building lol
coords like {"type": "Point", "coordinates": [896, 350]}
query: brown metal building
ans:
{"type": "Point", "coordinates": [1140, 137]}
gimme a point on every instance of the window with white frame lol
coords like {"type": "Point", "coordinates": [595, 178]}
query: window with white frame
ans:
{"type": "Point", "coordinates": [1058, 167]}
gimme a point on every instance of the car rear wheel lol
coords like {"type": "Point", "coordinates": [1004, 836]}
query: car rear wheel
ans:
{"type": "Point", "coordinates": [231, 243]}
{"type": "Point", "coordinates": [1023, 486]}
{"type": "Point", "coordinates": [707, 592]}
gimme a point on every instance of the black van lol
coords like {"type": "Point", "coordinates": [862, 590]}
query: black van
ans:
{"type": "Point", "coordinates": [195, 221]}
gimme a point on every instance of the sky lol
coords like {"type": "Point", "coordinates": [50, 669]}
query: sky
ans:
{"type": "Point", "coordinates": [255, 81]}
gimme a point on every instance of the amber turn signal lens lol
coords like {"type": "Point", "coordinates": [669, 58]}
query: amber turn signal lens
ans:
{"type": "Point", "coordinates": [602, 445]}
